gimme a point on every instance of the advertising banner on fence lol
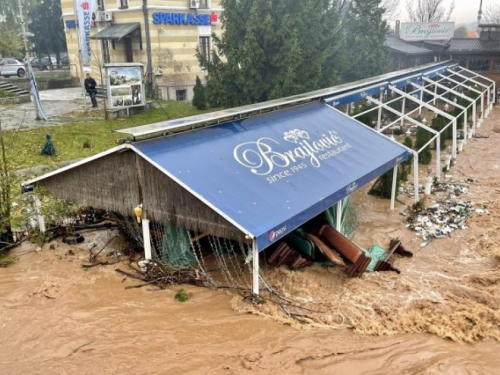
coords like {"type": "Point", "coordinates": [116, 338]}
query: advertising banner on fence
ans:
{"type": "Point", "coordinates": [427, 31]}
{"type": "Point", "coordinates": [84, 10]}
{"type": "Point", "coordinates": [125, 86]}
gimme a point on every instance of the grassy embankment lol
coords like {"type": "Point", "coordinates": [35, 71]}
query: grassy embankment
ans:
{"type": "Point", "coordinates": [81, 137]}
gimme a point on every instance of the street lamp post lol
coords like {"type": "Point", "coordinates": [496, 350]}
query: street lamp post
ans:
{"type": "Point", "coordinates": [28, 62]}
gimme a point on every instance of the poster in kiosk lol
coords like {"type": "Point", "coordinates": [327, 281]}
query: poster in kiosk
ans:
{"type": "Point", "coordinates": [125, 86]}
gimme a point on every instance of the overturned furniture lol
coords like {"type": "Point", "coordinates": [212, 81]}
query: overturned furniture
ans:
{"type": "Point", "coordinates": [300, 249]}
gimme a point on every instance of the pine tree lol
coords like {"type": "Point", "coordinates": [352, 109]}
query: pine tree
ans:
{"type": "Point", "coordinates": [366, 32]}
{"type": "Point", "coordinates": [273, 48]}
{"type": "Point", "coordinates": [47, 28]}
{"type": "Point", "coordinates": [199, 99]}
{"type": "Point", "coordinates": [423, 136]}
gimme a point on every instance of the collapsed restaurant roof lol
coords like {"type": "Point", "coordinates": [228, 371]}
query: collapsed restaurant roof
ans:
{"type": "Point", "coordinates": [261, 176]}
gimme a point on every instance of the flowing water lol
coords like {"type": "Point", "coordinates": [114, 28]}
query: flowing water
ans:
{"type": "Point", "coordinates": [57, 318]}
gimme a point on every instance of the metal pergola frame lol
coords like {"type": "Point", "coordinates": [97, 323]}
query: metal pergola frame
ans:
{"type": "Point", "coordinates": [457, 94]}
{"type": "Point", "coordinates": [422, 83]}
{"type": "Point", "coordinates": [491, 88]}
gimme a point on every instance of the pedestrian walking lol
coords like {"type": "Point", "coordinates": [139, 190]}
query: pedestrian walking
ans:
{"type": "Point", "coordinates": [90, 87]}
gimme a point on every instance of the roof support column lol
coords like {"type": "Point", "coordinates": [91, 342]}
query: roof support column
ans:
{"type": "Point", "coordinates": [146, 236]}
{"type": "Point", "coordinates": [379, 119]}
{"type": "Point", "coordinates": [421, 99]}
{"type": "Point", "coordinates": [40, 218]}
{"type": "Point", "coordinates": [403, 111]}
{"type": "Point", "coordinates": [255, 268]}
{"type": "Point", "coordinates": [338, 224]}
{"type": "Point", "coordinates": [415, 177]}
{"type": "Point", "coordinates": [394, 187]}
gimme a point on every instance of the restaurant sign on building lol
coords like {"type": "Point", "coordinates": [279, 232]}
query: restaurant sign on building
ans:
{"type": "Point", "coordinates": [417, 31]}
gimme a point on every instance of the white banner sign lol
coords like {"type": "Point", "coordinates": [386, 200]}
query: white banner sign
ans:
{"type": "Point", "coordinates": [84, 10]}
{"type": "Point", "coordinates": [427, 31]}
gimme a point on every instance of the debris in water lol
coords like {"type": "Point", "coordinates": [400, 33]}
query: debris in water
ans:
{"type": "Point", "coordinates": [439, 220]}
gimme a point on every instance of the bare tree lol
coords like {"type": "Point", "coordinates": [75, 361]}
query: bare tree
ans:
{"type": "Point", "coordinates": [391, 9]}
{"type": "Point", "coordinates": [429, 10]}
{"type": "Point", "coordinates": [492, 15]}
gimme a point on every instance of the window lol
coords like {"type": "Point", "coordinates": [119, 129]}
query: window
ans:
{"type": "Point", "coordinates": [181, 95]}
{"type": "Point", "coordinates": [122, 4]}
{"type": "Point", "coordinates": [205, 4]}
{"type": "Point", "coordinates": [204, 46]}
{"type": "Point", "coordinates": [100, 4]}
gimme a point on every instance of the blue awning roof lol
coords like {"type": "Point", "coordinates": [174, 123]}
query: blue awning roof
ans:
{"type": "Point", "coordinates": [269, 174]}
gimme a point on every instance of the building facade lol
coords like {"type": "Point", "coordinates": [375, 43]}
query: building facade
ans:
{"type": "Point", "coordinates": [177, 30]}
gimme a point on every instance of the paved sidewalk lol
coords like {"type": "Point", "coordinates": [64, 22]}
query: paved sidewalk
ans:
{"type": "Point", "coordinates": [56, 104]}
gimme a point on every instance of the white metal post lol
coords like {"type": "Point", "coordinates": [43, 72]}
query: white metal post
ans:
{"type": "Point", "coordinates": [403, 110]}
{"type": "Point", "coordinates": [39, 217]}
{"type": "Point", "coordinates": [438, 157]}
{"type": "Point", "coordinates": [338, 225]}
{"type": "Point", "coordinates": [394, 187]}
{"type": "Point", "coordinates": [435, 94]}
{"type": "Point", "coordinates": [379, 119]}
{"type": "Point", "coordinates": [421, 99]}
{"type": "Point", "coordinates": [465, 126]}
{"type": "Point", "coordinates": [255, 268]}
{"type": "Point", "coordinates": [454, 141]}
{"type": "Point", "coordinates": [146, 235]}
{"type": "Point", "coordinates": [474, 117]}
{"type": "Point", "coordinates": [348, 108]}
{"type": "Point", "coordinates": [415, 176]}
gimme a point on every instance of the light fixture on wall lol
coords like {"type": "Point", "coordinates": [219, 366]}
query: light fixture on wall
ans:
{"type": "Point", "coordinates": [138, 213]}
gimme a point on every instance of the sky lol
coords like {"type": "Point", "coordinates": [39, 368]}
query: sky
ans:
{"type": "Point", "coordinates": [465, 10]}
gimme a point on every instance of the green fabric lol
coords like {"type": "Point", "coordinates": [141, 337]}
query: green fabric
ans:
{"type": "Point", "coordinates": [331, 215]}
{"type": "Point", "coordinates": [376, 253]}
{"type": "Point", "coordinates": [302, 245]}
{"type": "Point", "coordinates": [177, 247]}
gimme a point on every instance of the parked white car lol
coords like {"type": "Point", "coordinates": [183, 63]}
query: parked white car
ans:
{"type": "Point", "coordinates": [11, 67]}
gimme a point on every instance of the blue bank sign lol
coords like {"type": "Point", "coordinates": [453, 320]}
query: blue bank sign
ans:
{"type": "Point", "coordinates": [184, 19]}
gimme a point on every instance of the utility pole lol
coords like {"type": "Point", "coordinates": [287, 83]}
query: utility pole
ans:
{"type": "Point", "coordinates": [480, 13]}
{"type": "Point", "coordinates": [28, 62]}
{"type": "Point", "coordinates": [149, 81]}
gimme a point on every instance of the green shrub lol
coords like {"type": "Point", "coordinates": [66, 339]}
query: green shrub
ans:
{"type": "Point", "coordinates": [181, 295]}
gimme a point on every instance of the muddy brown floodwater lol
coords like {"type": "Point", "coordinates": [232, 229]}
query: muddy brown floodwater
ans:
{"type": "Point", "coordinates": [440, 316]}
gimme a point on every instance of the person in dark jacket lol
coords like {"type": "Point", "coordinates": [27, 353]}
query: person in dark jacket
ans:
{"type": "Point", "coordinates": [90, 87]}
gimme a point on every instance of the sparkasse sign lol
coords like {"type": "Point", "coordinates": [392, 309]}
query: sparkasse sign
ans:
{"type": "Point", "coordinates": [427, 31]}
